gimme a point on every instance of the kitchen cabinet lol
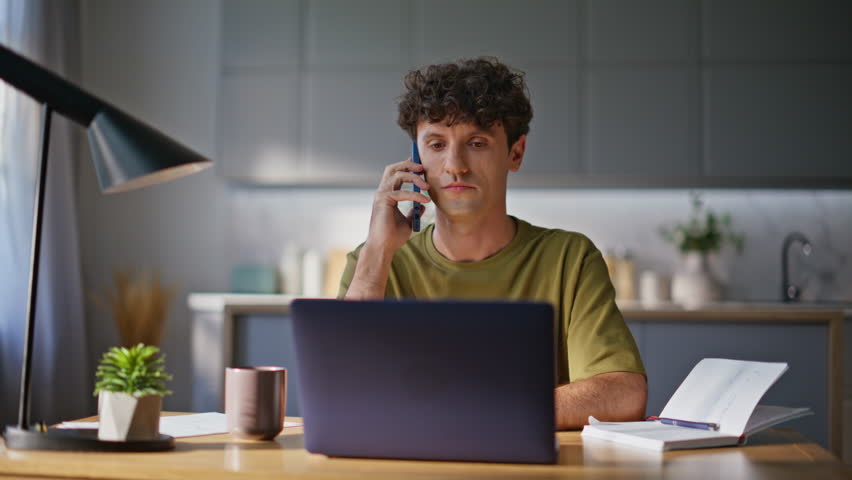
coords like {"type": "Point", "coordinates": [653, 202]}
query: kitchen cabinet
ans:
{"type": "Point", "coordinates": [520, 34]}
{"type": "Point", "coordinates": [641, 123]}
{"type": "Point", "coordinates": [260, 34]}
{"type": "Point", "coordinates": [641, 103]}
{"type": "Point", "coordinates": [321, 110]}
{"type": "Point", "coordinates": [553, 146]}
{"type": "Point", "coordinates": [778, 121]}
{"type": "Point", "coordinates": [261, 126]}
{"type": "Point", "coordinates": [651, 31]}
{"type": "Point", "coordinates": [662, 93]}
{"type": "Point", "coordinates": [785, 31]}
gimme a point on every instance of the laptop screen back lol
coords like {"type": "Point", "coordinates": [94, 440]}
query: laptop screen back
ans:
{"type": "Point", "coordinates": [436, 380]}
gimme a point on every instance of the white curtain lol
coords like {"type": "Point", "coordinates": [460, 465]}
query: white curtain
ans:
{"type": "Point", "coordinates": [46, 31]}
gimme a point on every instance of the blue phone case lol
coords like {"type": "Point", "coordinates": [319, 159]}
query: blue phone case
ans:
{"type": "Point", "coordinates": [418, 208]}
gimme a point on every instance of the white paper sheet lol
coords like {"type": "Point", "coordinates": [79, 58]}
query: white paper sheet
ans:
{"type": "Point", "coordinates": [181, 426]}
{"type": "Point", "coordinates": [724, 392]}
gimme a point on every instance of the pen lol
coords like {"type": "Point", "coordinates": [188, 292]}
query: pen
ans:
{"type": "Point", "coordinates": [686, 423]}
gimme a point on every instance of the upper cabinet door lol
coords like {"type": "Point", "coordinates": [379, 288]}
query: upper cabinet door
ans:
{"type": "Point", "coordinates": [519, 33]}
{"type": "Point", "coordinates": [259, 91]}
{"type": "Point", "coordinates": [793, 31]}
{"type": "Point", "coordinates": [648, 31]}
{"type": "Point", "coordinates": [641, 114]}
{"type": "Point", "coordinates": [641, 123]}
{"type": "Point", "coordinates": [261, 33]}
{"type": "Point", "coordinates": [343, 35]}
{"type": "Point", "coordinates": [543, 40]}
{"type": "Point", "coordinates": [261, 126]}
{"type": "Point", "coordinates": [777, 89]}
{"type": "Point", "coordinates": [351, 133]}
{"type": "Point", "coordinates": [778, 121]}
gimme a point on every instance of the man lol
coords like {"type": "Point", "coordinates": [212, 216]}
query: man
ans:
{"type": "Point", "coordinates": [470, 121]}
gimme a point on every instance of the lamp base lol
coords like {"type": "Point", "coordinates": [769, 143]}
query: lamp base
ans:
{"type": "Point", "coordinates": [79, 440]}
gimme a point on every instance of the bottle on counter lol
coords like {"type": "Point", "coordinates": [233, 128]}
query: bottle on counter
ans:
{"type": "Point", "coordinates": [290, 270]}
{"type": "Point", "coordinates": [312, 273]}
{"type": "Point", "coordinates": [624, 276]}
{"type": "Point", "coordinates": [610, 260]}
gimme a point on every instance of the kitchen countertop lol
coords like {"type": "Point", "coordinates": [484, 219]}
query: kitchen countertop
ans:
{"type": "Point", "coordinates": [218, 302]}
{"type": "Point", "coordinates": [736, 307]}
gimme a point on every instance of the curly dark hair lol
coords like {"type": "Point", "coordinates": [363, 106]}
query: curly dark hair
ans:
{"type": "Point", "coordinates": [479, 90]}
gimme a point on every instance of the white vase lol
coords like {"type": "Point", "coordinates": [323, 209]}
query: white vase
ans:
{"type": "Point", "coordinates": [124, 417]}
{"type": "Point", "coordinates": [694, 286]}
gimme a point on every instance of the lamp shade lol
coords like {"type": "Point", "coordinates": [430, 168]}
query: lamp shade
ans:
{"type": "Point", "coordinates": [129, 154]}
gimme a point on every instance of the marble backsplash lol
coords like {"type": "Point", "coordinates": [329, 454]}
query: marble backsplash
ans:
{"type": "Point", "coordinates": [263, 221]}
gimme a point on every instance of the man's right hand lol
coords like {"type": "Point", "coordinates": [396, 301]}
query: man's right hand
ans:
{"type": "Point", "coordinates": [389, 229]}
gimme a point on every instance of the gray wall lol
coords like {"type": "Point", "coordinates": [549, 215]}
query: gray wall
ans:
{"type": "Point", "coordinates": [157, 59]}
{"type": "Point", "coordinates": [162, 61]}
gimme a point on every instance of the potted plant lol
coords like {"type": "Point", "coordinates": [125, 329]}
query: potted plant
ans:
{"type": "Point", "coordinates": [705, 232]}
{"type": "Point", "coordinates": [130, 388]}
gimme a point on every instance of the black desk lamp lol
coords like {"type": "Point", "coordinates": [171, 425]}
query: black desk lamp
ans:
{"type": "Point", "coordinates": [128, 154]}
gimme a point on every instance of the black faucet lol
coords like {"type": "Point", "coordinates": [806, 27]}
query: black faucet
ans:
{"type": "Point", "coordinates": [790, 292]}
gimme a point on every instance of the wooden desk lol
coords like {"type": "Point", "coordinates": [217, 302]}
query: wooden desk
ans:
{"type": "Point", "coordinates": [775, 454]}
{"type": "Point", "coordinates": [246, 329]}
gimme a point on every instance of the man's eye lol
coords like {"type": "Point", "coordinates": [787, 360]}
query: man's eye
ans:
{"type": "Point", "coordinates": [436, 146]}
{"type": "Point", "coordinates": [477, 144]}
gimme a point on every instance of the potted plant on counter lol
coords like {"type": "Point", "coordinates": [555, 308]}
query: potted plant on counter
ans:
{"type": "Point", "coordinates": [705, 232]}
{"type": "Point", "coordinates": [130, 388]}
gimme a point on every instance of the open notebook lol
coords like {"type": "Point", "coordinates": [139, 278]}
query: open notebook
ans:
{"type": "Point", "coordinates": [718, 399]}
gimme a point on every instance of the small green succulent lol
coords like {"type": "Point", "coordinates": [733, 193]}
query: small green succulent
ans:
{"type": "Point", "coordinates": [137, 371]}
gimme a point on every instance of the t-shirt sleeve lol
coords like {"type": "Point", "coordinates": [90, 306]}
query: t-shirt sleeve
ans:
{"type": "Point", "coordinates": [598, 340]}
{"type": "Point", "coordinates": [348, 272]}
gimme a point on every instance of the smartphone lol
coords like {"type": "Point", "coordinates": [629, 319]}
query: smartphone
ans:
{"type": "Point", "coordinates": [418, 208]}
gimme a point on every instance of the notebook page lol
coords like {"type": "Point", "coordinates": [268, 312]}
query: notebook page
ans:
{"type": "Point", "coordinates": [723, 391]}
{"type": "Point", "coordinates": [765, 416]}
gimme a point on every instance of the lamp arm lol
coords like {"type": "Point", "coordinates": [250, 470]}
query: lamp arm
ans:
{"type": "Point", "coordinates": [49, 88]}
{"type": "Point", "coordinates": [35, 250]}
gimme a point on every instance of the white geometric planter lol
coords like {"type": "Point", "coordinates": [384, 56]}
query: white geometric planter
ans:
{"type": "Point", "coordinates": [124, 417]}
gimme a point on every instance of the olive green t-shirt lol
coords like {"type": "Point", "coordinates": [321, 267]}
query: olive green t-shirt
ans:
{"type": "Point", "coordinates": [548, 265]}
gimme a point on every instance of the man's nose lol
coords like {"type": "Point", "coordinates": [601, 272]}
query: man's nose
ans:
{"type": "Point", "coordinates": [456, 162]}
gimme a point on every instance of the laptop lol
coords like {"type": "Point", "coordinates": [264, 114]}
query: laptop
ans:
{"type": "Point", "coordinates": [427, 380]}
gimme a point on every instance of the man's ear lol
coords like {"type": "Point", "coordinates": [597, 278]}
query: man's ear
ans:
{"type": "Point", "coordinates": [516, 153]}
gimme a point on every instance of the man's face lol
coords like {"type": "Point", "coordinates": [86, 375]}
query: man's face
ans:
{"type": "Point", "coordinates": [467, 166]}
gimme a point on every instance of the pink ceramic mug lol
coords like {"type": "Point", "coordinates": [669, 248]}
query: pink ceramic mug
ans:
{"type": "Point", "coordinates": [255, 401]}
